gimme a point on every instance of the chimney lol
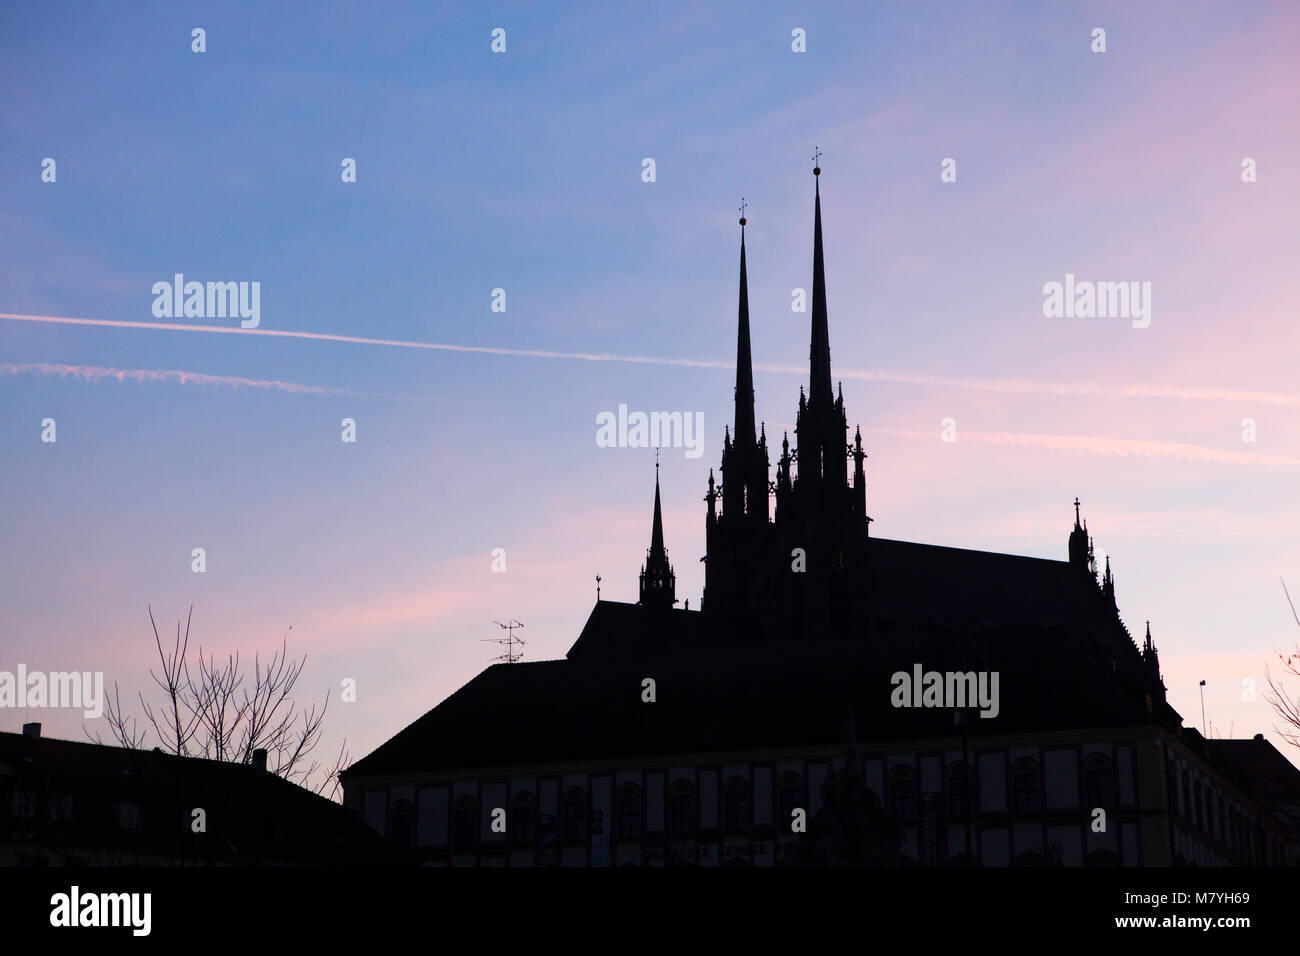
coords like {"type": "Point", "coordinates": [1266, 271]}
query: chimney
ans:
{"type": "Point", "coordinates": [32, 730]}
{"type": "Point", "coordinates": [259, 760]}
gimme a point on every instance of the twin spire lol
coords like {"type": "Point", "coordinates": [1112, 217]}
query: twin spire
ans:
{"type": "Point", "coordinates": [744, 430]}
{"type": "Point", "coordinates": [819, 390]}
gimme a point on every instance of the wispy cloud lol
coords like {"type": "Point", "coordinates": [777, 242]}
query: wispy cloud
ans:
{"type": "Point", "coordinates": [96, 373]}
{"type": "Point", "coordinates": [1145, 448]}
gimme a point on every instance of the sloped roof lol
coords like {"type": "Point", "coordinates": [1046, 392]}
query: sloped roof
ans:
{"type": "Point", "coordinates": [1271, 776]}
{"type": "Point", "coordinates": [711, 698]}
{"type": "Point", "coordinates": [252, 816]}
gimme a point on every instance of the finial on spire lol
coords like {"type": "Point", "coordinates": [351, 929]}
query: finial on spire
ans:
{"type": "Point", "coordinates": [743, 220]}
{"type": "Point", "coordinates": [1076, 511]}
{"type": "Point", "coordinates": [817, 167]}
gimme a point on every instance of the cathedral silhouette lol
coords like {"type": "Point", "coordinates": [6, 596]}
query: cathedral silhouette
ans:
{"type": "Point", "coordinates": [767, 727]}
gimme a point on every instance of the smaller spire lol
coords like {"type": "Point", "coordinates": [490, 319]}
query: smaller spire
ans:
{"type": "Point", "coordinates": [658, 583]}
{"type": "Point", "coordinates": [657, 531]}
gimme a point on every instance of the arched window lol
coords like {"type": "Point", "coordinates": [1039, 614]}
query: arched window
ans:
{"type": "Point", "coordinates": [789, 796]}
{"type": "Point", "coordinates": [575, 816]}
{"type": "Point", "coordinates": [959, 791]}
{"type": "Point", "coordinates": [629, 812]}
{"type": "Point", "coordinates": [681, 805]}
{"type": "Point", "coordinates": [902, 794]}
{"type": "Point", "coordinates": [524, 819]}
{"type": "Point", "coordinates": [1097, 782]}
{"type": "Point", "coordinates": [401, 826]}
{"type": "Point", "coordinates": [1026, 787]}
{"type": "Point", "coordinates": [736, 805]}
{"type": "Point", "coordinates": [466, 823]}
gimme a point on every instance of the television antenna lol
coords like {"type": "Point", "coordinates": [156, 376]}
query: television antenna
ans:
{"type": "Point", "coordinates": [508, 642]}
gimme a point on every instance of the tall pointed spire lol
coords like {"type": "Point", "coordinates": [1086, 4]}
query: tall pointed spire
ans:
{"type": "Point", "coordinates": [820, 355]}
{"type": "Point", "coordinates": [744, 436]}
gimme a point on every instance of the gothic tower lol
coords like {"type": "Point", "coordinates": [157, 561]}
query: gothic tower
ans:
{"type": "Point", "coordinates": [792, 573]}
{"type": "Point", "coordinates": [658, 583]}
{"type": "Point", "coordinates": [737, 538]}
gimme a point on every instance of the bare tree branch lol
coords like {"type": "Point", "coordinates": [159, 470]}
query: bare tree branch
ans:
{"type": "Point", "coordinates": [215, 713]}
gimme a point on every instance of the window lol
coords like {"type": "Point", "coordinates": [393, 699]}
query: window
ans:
{"type": "Point", "coordinates": [401, 828]}
{"type": "Point", "coordinates": [1096, 782]}
{"type": "Point", "coordinates": [61, 807]}
{"type": "Point", "coordinates": [902, 795]}
{"type": "Point", "coordinates": [682, 808]}
{"type": "Point", "coordinates": [466, 823]}
{"type": "Point", "coordinates": [575, 816]}
{"type": "Point", "coordinates": [128, 815]}
{"type": "Point", "coordinates": [736, 805]}
{"type": "Point", "coordinates": [789, 797]}
{"type": "Point", "coordinates": [629, 812]}
{"type": "Point", "coordinates": [1028, 795]}
{"type": "Point", "coordinates": [24, 803]}
{"type": "Point", "coordinates": [958, 792]}
{"type": "Point", "coordinates": [524, 822]}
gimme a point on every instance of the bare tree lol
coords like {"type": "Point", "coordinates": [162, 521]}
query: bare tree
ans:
{"type": "Point", "coordinates": [1286, 708]}
{"type": "Point", "coordinates": [214, 713]}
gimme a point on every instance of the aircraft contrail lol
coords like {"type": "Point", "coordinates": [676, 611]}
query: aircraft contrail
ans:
{"type": "Point", "coordinates": [1024, 386]}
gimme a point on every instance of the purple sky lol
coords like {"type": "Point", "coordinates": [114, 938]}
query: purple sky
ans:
{"type": "Point", "coordinates": [522, 171]}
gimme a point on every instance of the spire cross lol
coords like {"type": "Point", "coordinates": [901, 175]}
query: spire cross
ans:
{"type": "Point", "coordinates": [1076, 510]}
{"type": "Point", "coordinates": [743, 206]}
{"type": "Point", "coordinates": [817, 159]}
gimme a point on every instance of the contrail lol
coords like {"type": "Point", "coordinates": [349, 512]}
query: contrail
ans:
{"type": "Point", "coordinates": [360, 340]}
{"type": "Point", "coordinates": [1093, 389]}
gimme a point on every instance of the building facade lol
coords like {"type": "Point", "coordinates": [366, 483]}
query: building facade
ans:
{"type": "Point", "coordinates": [766, 728]}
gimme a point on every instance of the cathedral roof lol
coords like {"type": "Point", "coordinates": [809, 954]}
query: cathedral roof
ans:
{"type": "Point", "coordinates": [719, 698]}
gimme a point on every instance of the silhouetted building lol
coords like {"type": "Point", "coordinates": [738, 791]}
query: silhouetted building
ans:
{"type": "Point", "coordinates": [66, 803]}
{"type": "Point", "coordinates": [1044, 736]}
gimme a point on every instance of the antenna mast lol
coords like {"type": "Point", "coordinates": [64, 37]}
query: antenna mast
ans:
{"type": "Point", "coordinates": [508, 642]}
